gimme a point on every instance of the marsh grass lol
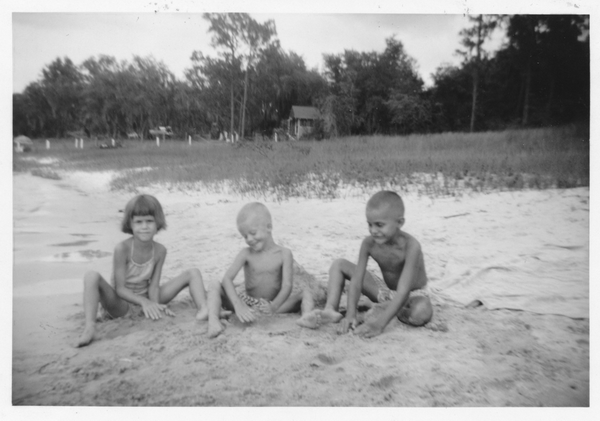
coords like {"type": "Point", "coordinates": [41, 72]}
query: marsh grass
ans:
{"type": "Point", "coordinates": [441, 164]}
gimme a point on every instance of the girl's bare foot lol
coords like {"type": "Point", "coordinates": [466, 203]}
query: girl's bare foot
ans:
{"type": "Point", "coordinates": [329, 315]}
{"type": "Point", "coordinates": [86, 337]}
{"type": "Point", "coordinates": [215, 328]}
{"type": "Point", "coordinates": [311, 320]}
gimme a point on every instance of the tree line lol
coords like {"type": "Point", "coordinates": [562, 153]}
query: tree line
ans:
{"type": "Point", "coordinates": [540, 76]}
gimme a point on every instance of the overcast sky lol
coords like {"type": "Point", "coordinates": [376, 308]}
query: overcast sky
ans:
{"type": "Point", "coordinates": [39, 38]}
{"type": "Point", "coordinates": [171, 31]}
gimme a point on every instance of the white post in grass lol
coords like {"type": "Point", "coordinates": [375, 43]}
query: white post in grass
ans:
{"type": "Point", "coordinates": [47, 144]}
{"type": "Point", "coordinates": [81, 143]}
{"type": "Point", "coordinates": [157, 141]}
{"type": "Point", "coordinates": [190, 140]}
{"type": "Point", "coordinates": [112, 141]}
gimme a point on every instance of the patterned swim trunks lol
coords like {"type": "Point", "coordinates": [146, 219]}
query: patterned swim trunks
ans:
{"type": "Point", "coordinates": [252, 301]}
{"type": "Point", "coordinates": [386, 294]}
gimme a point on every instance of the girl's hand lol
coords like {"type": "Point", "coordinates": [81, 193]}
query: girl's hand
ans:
{"type": "Point", "coordinates": [167, 310]}
{"type": "Point", "coordinates": [153, 310]}
{"type": "Point", "coordinates": [347, 324]}
{"type": "Point", "coordinates": [244, 313]}
{"type": "Point", "coordinates": [266, 307]}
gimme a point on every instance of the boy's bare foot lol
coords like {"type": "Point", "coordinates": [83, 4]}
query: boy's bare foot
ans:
{"type": "Point", "coordinates": [86, 337]}
{"type": "Point", "coordinates": [202, 314]}
{"type": "Point", "coordinates": [215, 328]}
{"type": "Point", "coordinates": [224, 313]}
{"type": "Point", "coordinates": [330, 316]}
{"type": "Point", "coordinates": [310, 320]}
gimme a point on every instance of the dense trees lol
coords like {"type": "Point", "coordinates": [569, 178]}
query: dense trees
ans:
{"type": "Point", "coordinates": [541, 76]}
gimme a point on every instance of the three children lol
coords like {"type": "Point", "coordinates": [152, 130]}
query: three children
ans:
{"type": "Point", "coordinates": [268, 286]}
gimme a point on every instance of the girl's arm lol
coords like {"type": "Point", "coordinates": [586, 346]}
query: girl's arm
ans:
{"type": "Point", "coordinates": [154, 287]}
{"type": "Point", "coordinates": [287, 276]}
{"type": "Point", "coordinates": [356, 283]}
{"type": "Point", "coordinates": [241, 309]}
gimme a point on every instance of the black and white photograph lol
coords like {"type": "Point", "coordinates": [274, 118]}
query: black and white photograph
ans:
{"type": "Point", "coordinates": [298, 206]}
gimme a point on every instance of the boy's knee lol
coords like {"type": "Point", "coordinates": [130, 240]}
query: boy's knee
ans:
{"type": "Point", "coordinates": [419, 313]}
{"type": "Point", "coordinates": [194, 273]}
{"type": "Point", "coordinates": [338, 265]}
{"type": "Point", "coordinates": [213, 286]}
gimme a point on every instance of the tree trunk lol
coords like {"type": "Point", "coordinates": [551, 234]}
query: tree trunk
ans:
{"type": "Point", "coordinates": [474, 104]}
{"type": "Point", "coordinates": [244, 104]}
{"type": "Point", "coordinates": [525, 119]}
{"type": "Point", "coordinates": [232, 110]}
{"type": "Point", "coordinates": [476, 72]}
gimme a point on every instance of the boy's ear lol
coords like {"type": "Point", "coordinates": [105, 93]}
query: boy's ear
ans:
{"type": "Point", "coordinates": [401, 222]}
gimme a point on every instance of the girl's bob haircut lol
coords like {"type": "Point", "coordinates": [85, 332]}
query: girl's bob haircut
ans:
{"type": "Point", "coordinates": [143, 205]}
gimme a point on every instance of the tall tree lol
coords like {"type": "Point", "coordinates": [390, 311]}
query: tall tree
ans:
{"type": "Point", "coordinates": [240, 40]}
{"type": "Point", "coordinates": [473, 39]}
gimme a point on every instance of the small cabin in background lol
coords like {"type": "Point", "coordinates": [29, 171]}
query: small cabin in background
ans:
{"type": "Point", "coordinates": [302, 120]}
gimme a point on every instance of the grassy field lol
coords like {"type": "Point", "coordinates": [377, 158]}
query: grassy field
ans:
{"type": "Point", "coordinates": [440, 164]}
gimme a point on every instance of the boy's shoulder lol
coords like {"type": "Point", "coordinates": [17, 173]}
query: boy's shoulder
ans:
{"type": "Point", "coordinates": [409, 240]}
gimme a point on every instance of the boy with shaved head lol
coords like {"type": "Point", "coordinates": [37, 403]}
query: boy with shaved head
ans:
{"type": "Point", "coordinates": [400, 259]}
{"type": "Point", "coordinates": [268, 277]}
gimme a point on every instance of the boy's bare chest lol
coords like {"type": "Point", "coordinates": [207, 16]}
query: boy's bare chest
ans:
{"type": "Point", "coordinates": [389, 258]}
{"type": "Point", "coordinates": [265, 263]}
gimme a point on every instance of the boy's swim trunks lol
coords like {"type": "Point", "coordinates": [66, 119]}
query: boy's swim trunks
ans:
{"type": "Point", "coordinates": [386, 294]}
{"type": "Point", "coordinates": [253, 302]}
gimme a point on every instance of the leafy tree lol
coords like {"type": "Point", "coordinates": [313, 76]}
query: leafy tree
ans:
{"type": "Point", "coordinates": [61, 87]}
{"type": "Point", "coordinates": [374, 86]}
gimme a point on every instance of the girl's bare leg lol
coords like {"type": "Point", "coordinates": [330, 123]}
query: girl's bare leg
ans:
{"type": "Point", "coordinates": [97, 291]}
{"type": "Point", "coordinates": [191, 278]}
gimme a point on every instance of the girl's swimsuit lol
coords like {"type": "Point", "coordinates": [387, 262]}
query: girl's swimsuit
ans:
{"type": "Point", "coordinates": [137, 275]}
{"type": "Point", "coordinates": [137, 279]}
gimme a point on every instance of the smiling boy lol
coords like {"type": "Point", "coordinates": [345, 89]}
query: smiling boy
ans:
{"type": "Point", "coordinates": [400, 259]}
{"type": "Point", "coordinates": [268, 276]}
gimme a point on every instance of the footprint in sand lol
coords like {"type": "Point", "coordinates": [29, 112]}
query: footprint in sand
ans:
{"type": "Point", "coordinates": [328, 358]}
{"type": "Point", "coordinates": [385, 382]}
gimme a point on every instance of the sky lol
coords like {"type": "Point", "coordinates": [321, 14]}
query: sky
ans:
{"type": "Point", "coordinates": [39, 38]}
{"type": "Point", "coordinates": [172, 30]}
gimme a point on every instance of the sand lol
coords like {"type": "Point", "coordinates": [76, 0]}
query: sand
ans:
{"type": "Point", "coordinates": [494, 355]}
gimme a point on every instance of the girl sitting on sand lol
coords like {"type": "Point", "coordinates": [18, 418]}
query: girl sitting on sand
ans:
{"type": "Point", "coordinates": [137, 266]}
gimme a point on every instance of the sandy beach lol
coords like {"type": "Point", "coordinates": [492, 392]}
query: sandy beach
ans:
{"type": "Point", "coordinates": [523, 254]}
